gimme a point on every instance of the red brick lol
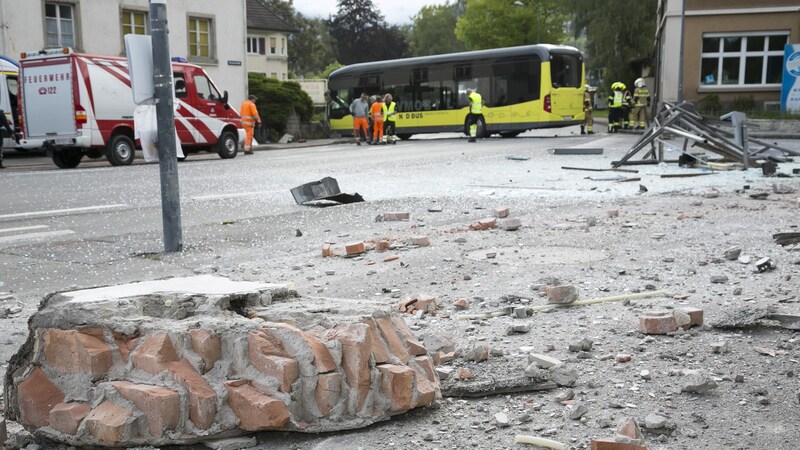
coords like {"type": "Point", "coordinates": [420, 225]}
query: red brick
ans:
{"type": "Point", "coordinates": [425, 392]}
{"type": "Point", "coordinates": [421, 241]}
{"type": "Point", "coordinates": [107, 422]}
{"type": "Point", "coordinates": [501, 213]}
{"type": "Point", "coordinates": [326, 250]}
{"type": "Point", "coordinates": [484, 224]}
{"type": "Point", "coordinates": [328, 391]}
{"type": "Point", "coordinates": [355, 248]}
{"type": "Point", "coordinates": [661, 324]}
{"type": "Point", "coordinates": [154, 354]}
{"type": "Point", "coordinates": [263, 342]}
{"type": "Point", "coordinates": [67, 417]}
{"type": "Point", "coordinates": [414, 346]}
{"type": "Point", "coordinates": [256, 411]}
{"type": "Point", "coordinates": [695, 315]}
{"type": "Point", "coordinates": [73, 351]}
{"type": "Point", "coordinates": [608, 444]}
{"type": "Point", "coordinates": [125, 344]}
{"type": "Point", "coordinates": [396, 216]}
{"type": "Point", "coordinates": [379, 352]}
{"type": "Point", "coordinates": [160, 406]}
{"type": "Point", "coordinates": [630, 429]}
{"type": "Point", "coordinates": [391, 258]}
{"type": "Point", "coordinates": [382, 245]}
{"type": "Point", "coordinates": [322, 356]}
{"type": "Point", "coordinates": [623, 358]}
{"type": "Point", "coordinates": [37, 396]}
{"type": "Point", "coordinates": [356, 351]}
{"type": "Point", "coordinates": [406, 305]}
{"type": "Point", "coordinates": [465, 374]}
{"type": "Point", "coordinates": [427, 304]}
{"type": "Point", "coordinates": [461, 303]}
{"type": "Point", "coordinates": [426, 363]}
{"type": "Point", "coordinates": [208, 345]}
{"type": "Point", "coordinates": [443, 357]}
{"type": "Point", "coordinates": [202, 399]}
{"type": "Point", "coordinates": [561, 294]}
{"type": "Point", "coordinates": [397, 383]}
{"type": "Point", "coordinates": [392, 339]}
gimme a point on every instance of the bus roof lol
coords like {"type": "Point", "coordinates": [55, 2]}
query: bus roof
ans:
{"type": "Point", "coordinates": [542, 51]}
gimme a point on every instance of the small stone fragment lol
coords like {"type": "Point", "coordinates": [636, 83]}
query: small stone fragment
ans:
{"type": "Point", "coordinates": [564, 376]}
{"type": "Point", "coordinates": [510, 224]}
{"type": "Point", "coordinates": [733, 253]}
{"type": "Point", "coordinates": [719, 279]}
{"type": "Point", "coordinates": [720, 347]}
{"type": "Point", "coordinates": [543, 361]}
{"type": "Point", "coordinates": [501, 213]}
{"type": "Point", "coordinates": [501, 419]}
{"type": "Point", "coordinates": [697, 382]}
{"type": "Point", "coordinates": [561, 294]}
{"type": "Point", "coordinates": [478, 353]}
{"type": "Point", "coordinates": [461, 303]}
{"type": "Point", "coordinates": [584, 344]}
{"type": "Point", "coordinates": [579, 409]}
{"type": "Point", "coordinates": [421, 241]}
{"type": "Point", "coordinates": [623, 358]}
{"type": "Point", "coordinates": [517, 329]}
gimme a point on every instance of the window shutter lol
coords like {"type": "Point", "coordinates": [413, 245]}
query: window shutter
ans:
{"type": "Point", "coordinates": [262, 46]}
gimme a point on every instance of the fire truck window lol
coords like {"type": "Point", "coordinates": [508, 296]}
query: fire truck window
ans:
{"type": "Point", "coordinates": [205, 89]}
{"type": "Point", "coordinates": [180, 86]}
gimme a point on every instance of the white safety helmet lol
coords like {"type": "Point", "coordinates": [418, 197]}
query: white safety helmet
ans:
{"type": "Point", "coordinates": [587, 87]}
{"type": "Point", "coordinates": [639, 83]}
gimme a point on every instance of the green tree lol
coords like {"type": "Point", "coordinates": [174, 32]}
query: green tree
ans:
{"type": "Point", "coordinates": [506, 23]}
{"type": "Point", "coordinates": [361, 34]}
{"type": "Point", "coordinates": [276, 101]}
{"type": "Point", "coordinates": [311, 48]}
{"type": "Point", "coordinates": [433, 29]}
{"type": "Point", "coordinates": [620, 35]}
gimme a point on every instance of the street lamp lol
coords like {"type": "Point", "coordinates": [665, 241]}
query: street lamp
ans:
{"type": "Point", "coordinates": [538, 19]}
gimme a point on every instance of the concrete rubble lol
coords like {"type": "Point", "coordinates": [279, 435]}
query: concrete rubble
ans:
{"type": "Point", "coordinates": [196, 359]}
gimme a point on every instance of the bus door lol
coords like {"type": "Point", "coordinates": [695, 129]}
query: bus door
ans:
{"type": "Point", "coordinates": [566, 77]}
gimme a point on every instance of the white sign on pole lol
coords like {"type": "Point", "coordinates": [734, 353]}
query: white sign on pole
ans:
{"type": "Point", "coordinates": [139, 50]}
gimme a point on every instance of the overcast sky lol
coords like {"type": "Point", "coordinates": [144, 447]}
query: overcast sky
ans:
{"type": "Point", "coordinates": [395, 11]}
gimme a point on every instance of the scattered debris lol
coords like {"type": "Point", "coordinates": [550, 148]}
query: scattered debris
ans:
{"type": "Point", "coordinates": [782, 189]}
{"type": "Point", "coordinates": [421, 241]}
{"type": "Point", "coordinates": [518, 158]}
{"type": "Point", "coordinates": [354, 248]}
{"type": "Point", "coordinates": [322, 192]}
{"type": "Point", "coordinates": [543, 361]}
{"type": "Point", "coordinates": [501, 419]}
{"type": "Point", "coordinates": [733, 253]}
{"type": "Point", "coordinates": [499, 386]}
{"type": "Point", "coordinates": [539, 442]}
{"type": "Point", "coordinates": [589, 169]}
{"type": "Point", "coordinates": [765, 265]}
{"type": "Point", "coordinates": [616, 298]}
{"type": "Point", "coordinates": [461, 303]}
{"type": "Point", "coordinates": [510, 224]}
{"type": "Point", "coordinates": [576, 151]}
{"type": "Point", "coordinates": [561, 294]}
{"type": "Point", "coordinates": [580, 345]}
{"type": "Point", "coordinates": [669, 322]}
{"type": "Point", "coordinates": [784, 239]}
{"type": "Point", "coordinates": [395, 216]}
{"type": "Point", "coordinates": [501, 213]}
{"type": "Point", "coordinates": [484, 224]}
{"type": "Point", "coordinates": [697, 382]}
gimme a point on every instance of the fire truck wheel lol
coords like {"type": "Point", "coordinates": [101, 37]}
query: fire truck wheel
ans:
{"type": "Point", "coordinates": [68, 158]}
{"type": "Point", "coordinates": [228, 145]}
{"type": "Point", "coordinates": [120, 151]}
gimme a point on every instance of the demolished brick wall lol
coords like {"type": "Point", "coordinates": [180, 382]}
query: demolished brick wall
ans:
{"type": "Point", "coordinates": [117, 367]}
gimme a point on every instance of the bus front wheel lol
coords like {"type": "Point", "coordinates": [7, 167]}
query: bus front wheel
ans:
{"type": "Point", "coordinates": [481, 127]}
{"type": "Point", "coordinates": [404, 136]}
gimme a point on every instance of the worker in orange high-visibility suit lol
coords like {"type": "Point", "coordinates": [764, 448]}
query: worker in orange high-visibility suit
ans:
{"type": "Point", "coordinates": [250, 119]}
{"type": "Point", "coordinates": [376, 113]}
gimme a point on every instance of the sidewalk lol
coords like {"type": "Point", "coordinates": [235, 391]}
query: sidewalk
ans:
{"type": "Point", "coordinates": [305, 144]}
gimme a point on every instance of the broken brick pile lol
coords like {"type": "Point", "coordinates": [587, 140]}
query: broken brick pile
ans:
{"type": "Point", "coordinates": [177, 361]}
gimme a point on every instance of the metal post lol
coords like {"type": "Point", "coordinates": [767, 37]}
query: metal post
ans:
{"type": "Point", "coordinates": [165, 112]}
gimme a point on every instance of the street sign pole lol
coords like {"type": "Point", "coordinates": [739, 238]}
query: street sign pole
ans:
{"type": "Point", "coordinates": [165, 112]}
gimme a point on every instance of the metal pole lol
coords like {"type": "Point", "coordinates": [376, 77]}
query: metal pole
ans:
{"type": "Point", "coordinates": [165, 112]}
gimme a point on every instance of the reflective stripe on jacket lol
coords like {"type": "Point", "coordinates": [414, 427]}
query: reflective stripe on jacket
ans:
{"type": "Point", "coordinates": [249, 114]}
{"type": "Point", "coordinates": [376, 112]}
{"type": "Point", "coordinates": [477, 103]}
{"type": "Point", "coordinates": [616, 100]}
{"type": "Point", "coordinates": [641, 96]}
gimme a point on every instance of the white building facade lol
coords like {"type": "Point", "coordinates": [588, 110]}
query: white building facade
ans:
{"type": "Point", "coordinates": [209, 33]}
{"type": "Point", "coordinates": [267, 42]}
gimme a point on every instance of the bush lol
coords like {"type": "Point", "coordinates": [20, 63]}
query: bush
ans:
{"type": "Point", "coordinates": [710, 105]}
{"type": "Point", "coordinates": [276, 99]}
{"type": "Point", "coordinates": [743, 104]}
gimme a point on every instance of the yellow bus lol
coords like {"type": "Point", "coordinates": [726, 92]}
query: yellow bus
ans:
{"type": "Point", "coordinates": [523, 88]}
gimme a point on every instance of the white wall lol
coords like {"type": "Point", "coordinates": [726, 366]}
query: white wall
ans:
{"type": "Point", "coordinates": [669, 75]}
{"type": "Point", "coordinates": [98, 31]}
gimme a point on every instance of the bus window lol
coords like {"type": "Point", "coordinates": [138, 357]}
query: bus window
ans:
{"type": "Point", "coordinates": [565, 70]}
{"type": "Point", "coordinates": [516, 82]}
{"type": "Point", "coordinates": [339, 105]}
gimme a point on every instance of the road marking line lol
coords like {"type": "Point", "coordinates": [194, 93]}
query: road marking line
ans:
{"type": "Point", "coordinates": [58, 212]}
{"type": "Point", "coordinates": [34, 227]}
{"type": "Point", "coordinates": [200, 198]}
{"type": "Point", "coordinates": [32, 236]}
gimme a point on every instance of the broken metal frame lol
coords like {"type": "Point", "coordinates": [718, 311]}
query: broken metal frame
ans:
{"type": "Point", "coordinates": [682, 120]}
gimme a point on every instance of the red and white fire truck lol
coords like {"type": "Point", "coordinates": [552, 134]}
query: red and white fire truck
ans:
{"type": "Point", "coordinates": [82, 105]}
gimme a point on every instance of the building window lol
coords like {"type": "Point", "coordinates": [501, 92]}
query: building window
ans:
{"type": "Point", "coordinates": [274, 75]}
{"type": "Point", "coordinates": [273, 45]}
{"type": "Point", "coordinates": [134, 22]}
{"type": "Point", "coordinates": [200, 38]}
{"type": "Point", "coordinates": [59, 24]}
{"type": "Point", "coordinates": [256, 45]}
{"type": "Point", "coordinates": [746, 59]}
